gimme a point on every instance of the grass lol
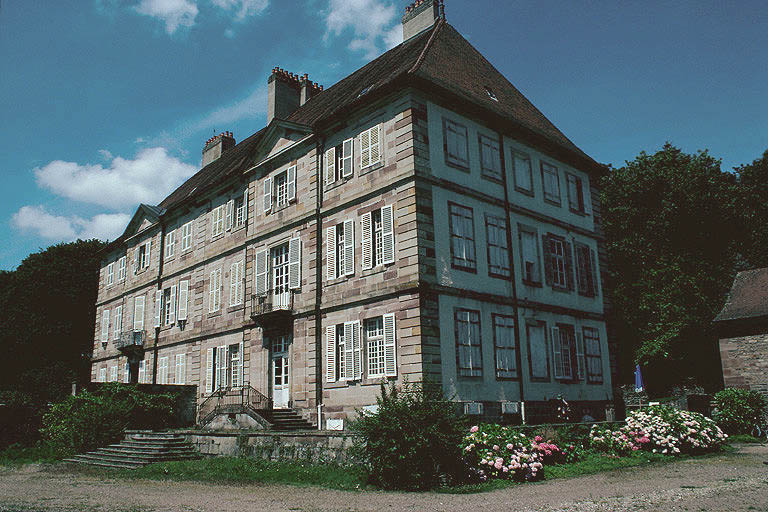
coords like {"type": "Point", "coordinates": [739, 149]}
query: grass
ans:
{"type": "Point", "coordinates": [17, 455]}
{"type": "Point", "coordinates": [237, 470]}
{"type": "Point", "coordinates": [744, 438]}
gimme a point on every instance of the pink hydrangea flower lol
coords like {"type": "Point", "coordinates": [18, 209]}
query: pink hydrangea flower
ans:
{"type": "Point", "coordinates": [474, 429]}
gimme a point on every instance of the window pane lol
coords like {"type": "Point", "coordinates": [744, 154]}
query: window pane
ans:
{"type": "Point", "coordinates": [522, 172]}
{"type": "Point", "coordinates": [537, 345]}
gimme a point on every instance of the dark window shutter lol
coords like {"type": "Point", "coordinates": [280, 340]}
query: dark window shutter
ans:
{"type": "Point", "coordinates": [569, 265]}
{"type": "Point", "coordinates": [548, 266]}
{"type": "Point", "coordinates": [593, 268]}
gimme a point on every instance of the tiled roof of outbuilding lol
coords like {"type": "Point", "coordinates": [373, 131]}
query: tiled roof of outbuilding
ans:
{"type": "Point", "coordinates": [748, 297]}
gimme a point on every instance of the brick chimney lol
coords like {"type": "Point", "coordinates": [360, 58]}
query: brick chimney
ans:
{"type": "Point", "coordinates": [308, 88]}
{"type": "Point", "coordinates": [420, 15]}
{"type": "Point", "coordinates": [217, 145]}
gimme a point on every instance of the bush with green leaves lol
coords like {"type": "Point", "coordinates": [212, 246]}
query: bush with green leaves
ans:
{"type": "Point", "coordinates": [739, 410]}
{"type": "Point", "coordinates": [92, 419]}
{"type": "Point", "coordinates": [412, 441]}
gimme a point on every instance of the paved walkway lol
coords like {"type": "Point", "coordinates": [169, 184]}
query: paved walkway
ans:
{"type": "Point", "coordinates": [727, 482]}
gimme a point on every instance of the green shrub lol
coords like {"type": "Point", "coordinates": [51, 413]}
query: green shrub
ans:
{"type": "Point", "coordinates": [412, 441]}
{"type": "Point", "coordinates": [91, 419]}
{"type": "Point", "coordinates": [738, 410]}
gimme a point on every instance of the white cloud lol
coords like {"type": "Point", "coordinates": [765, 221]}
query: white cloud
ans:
{"type": "Point", "coordinates": [242, 9]}
{"type": "Point", "coordinates": [105, 154]}
{"type": "Point", "coordinates": [374, 23]}
{"type": "Point", "coordinates": [37, 220]}
{"type": "Point", "coordinates": [174, 13]}
{"type": "Point", "coordinates": [148, 178]}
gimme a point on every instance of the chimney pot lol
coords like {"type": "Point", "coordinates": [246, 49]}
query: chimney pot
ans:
{"type": "Point", "coordinates": [419, 16]}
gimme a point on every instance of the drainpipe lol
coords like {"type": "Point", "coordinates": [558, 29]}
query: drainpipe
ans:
{"type": "Point", "coordinates": [154, 305]}
{"type": "Point", "coordinates": [320, 149]}
{"type": "Point", "coordinates": [513, 278]}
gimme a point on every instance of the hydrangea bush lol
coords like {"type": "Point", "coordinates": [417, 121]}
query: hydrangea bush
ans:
{"type": "Point", "coordinates": [496, 451]}
{"type": "Point", "coordinates": [660, 429]}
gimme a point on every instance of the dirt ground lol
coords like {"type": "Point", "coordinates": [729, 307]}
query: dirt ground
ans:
{"type": "Point", "coordinates": [727, 482]}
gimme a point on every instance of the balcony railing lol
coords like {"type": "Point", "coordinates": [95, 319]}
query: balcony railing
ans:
{"type": "Point", "coordinates": [131, 340]}
{"type": "Point", "coordinates": [274, 306]}
{"type": "Point", "coordinates": [241, 399]}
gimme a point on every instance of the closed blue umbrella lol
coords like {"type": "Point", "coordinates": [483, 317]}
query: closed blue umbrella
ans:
{"type": "Point", "coordinates": [638, 379]}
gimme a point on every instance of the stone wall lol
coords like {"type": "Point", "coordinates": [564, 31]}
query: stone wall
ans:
{"type": "Point", "coordinates": [745, 362]}
{"type": "Point", "coordinates": [316, 447]}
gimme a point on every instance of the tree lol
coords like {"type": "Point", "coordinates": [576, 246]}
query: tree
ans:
{"type": "Point", "coordinates": [669, 222]}
{"type": "Point", "coordinates": [752, 205]}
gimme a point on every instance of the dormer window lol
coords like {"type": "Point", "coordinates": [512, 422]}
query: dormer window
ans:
{"type": "Point", "coordinates": [491, 93]}
{"type": "Point", "coordinates": [364, 91]}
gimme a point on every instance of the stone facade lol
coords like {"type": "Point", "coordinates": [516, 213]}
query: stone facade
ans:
{"type": "Point", "coordinates": [745, 362]}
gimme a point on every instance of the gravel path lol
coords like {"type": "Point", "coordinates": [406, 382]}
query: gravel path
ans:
{"type": "Point", "coordinates": [727, 482]}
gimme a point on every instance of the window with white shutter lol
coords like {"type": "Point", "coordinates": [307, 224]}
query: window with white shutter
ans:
{"type": "Point", "coordinates": [267, 195]}
{"type": "Point", "coordinates": [171, 318]}
{"type": "Point", "coordinates": [138, 313]}
{"type": "Point", "coordinates": [209, 372]}
{"type": "Point", "coordinates": [183, 299]}
{"type": "Point", "coordinates": [370, 147]}
{"type": "Point", "coordinates": [147, 253]}
{"type": "Point", "coordinates": [349, 351]}
{"type": "Point", "coordinates": [113, 373]}
{"type": "Point", "coordinates": [330, 166]}
{"type": "Point", "coordinates": [366, 239]}
{"type": "Point", "coordinates": [181, 369]}
{"type": "Point", "coordinates": [387, 235]}
{"type": "Point", "coordinates": [118, 321]}
{"type": "Point", "coordinates": [455, 144]}
{"type": "Point", "coordinates": [280, 190]}
{"type": "Point", "coordinates": [347, 148]}
{"type": "Point", "coordinates": [110, 273]}
{"type": "Point", "coordinates": [102, 375]}
{"type": "Point", "coordinates": [241, 209]}
{"type": "Point", "coordinates": [214, 293]}
{"type": "Point", "coordinates": [217, 220]}
{"type": "Point", "coordinates": [104, 325]}
{"type": "Point", "coordinates": [127, 373]}
{"type": "Point", "coordinates": [230, 218]}
{"type": "Point", "coordinates": [469, 352]}
{"type": "Point", "coordinates": [390, 346]}
{"type": "Point", "coordinates": [331, 250]}
{"type": "Point", "coordinates": [261, 272]}
{"type": "Point", "coordinates": [291, 183]}
{"type": "Point", "coordinates": [222, 367]}
{"type": "Point", "coordinates": [186, 236]}
{"type": "Point", "coordinates": [142, 372]}
{"type": "Point", "coordinates": [374, 339]}
{"type": "Point", "coordinates": [349, 247]}
{"type": "Point", "coordinates": [330, 353]}
{"type": "Point", "coordinates": [490, 157]}
{"type": "Point", "coordinates": [504, 346]}
{"type": "Point", "coordinates": [170, 244]}
{"type": "Point", "coordinates": [236, 284]}
{"type": "Point", "coordinates": [159, 295]}
{"type": "Point", "coordinates": [294, 263]}
{"type": "Point", "coordinates": [162, 370]}
{"type": "Point", "coordinates": [121, 263]}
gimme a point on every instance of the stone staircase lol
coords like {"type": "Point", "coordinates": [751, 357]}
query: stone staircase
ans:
{"type": "Point", "coordinates": [285, 420]}
{"type": "Point", "coordinates": [139, 448]}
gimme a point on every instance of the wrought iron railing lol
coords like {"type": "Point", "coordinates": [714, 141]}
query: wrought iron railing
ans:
{"type": "Point", "coordinates": [232, 400]}
{"type": "Point", "coordinates": [271, 302]}
{"type": "Point", "coordinates": [130, 339]}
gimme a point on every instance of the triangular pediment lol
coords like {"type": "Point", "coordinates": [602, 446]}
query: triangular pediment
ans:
{"type": "Point", "coordinates": [145, 217]}
{"type": "Point", "coordinates": [279, 135]}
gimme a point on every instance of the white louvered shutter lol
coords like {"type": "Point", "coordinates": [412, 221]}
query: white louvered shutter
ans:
{"type": "Point", "coordinates": [183, 298]}
{"type": "Point", "coordinates": [209, 372]}
{"type": "Point", "coordinates": [330, 166]}
{"type": "Point", "coordinates": [245, 206]}
{"type": "Point", "coordinates": [387, 234]}
{"type": "Point", "coordinates": [127, 373]}
{"type": "Point", "coordinates": [118, 322]}
{"type": "Point", "coordinates": [346, 159]}
{"type": "Point", "coordinates": [158, 304]}
{"type": "Point", "coordinates": [149, 251]}
{"type": "Point", "coordinates": [330, 253]}
{"type": "Point", "coordinates": [330, 353]}
{"type": "Point", "coordinates": [135, 260]}
{"type": "Point", "coordinates": [390, 346]}
{"type": "Point", "coordinates": [557, 353]}
{"type": "Point", "coordinates": [138, 313]}
{"type": "Point", "coordinates": [357, 343]}
{"type": "Point", "coordinates": [267, 195]}
{"type": "Point", "coordinates": [349, 351]}
{"type": "Point", "coordinates": [375, 145]}
{"type": "Point", "coordinates": [104, 325]}
{"type": "Point", "coordinates": [294, 263]}
{"type": "Point", "coordinates": [580, 356]}
{"type": "Point", "coordinates": [365, 149]}
{"type": "Point", "coordinates": [366, 225]}
{"type": "Point", "coordinates": [291, 183]}
{"type": "Point", "coordinates": [224, 375]}
{"type": "Point", "coordinates": [261, 272]}
{"type": "Point", "coordinates": [142, 372]}
{"type": "Point", "coordinates": [230, 214]}
{"type": "Point", "coordinates": [233, 277]}
{"type": "Point", "coordinates": [172, 309]}
{"type": "Point", "coordinates": [349, 247]}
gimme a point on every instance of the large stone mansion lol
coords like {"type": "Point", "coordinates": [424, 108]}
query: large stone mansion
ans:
{"type": "Point", "coordinates": [418, 219]}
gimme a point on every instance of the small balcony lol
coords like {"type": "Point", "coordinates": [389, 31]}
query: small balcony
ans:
{"type": "Point", "coordinates": [131, 342]}
{"type": "Point", "coordinates": [272, 309]}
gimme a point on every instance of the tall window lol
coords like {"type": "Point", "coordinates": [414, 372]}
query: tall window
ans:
{"type": "Point", "coordinates": [181, 369]}
{"type": "Point", "coordinates": [558, 262]}
{"type": "Point", "coordinates": [170, 244]}
{"type": "Point", "coordinates": [374, 336]}
{"type": "Point", "coordinates": [340, 261]}
{"type": "Point", "coordinates": [162, 370]}
{"type": "Point", "coordinates": [370, 147]}
{"type": "Point", "coordinates": [462, 237]}
{"type": "Point", "coordinates": [169, 306]}
{"type": "Point", "coordinates": [138, 313]}
{"type": "Point", "coordinates": [280, 182]}
{"type": "Point", "coordinates": [110, 273]}
{"type": "Point", "coordinates": [490, 157]}
{"type": "Point", "coordinates": [568, 356]}
{"type": "Point", "coordinates": [469, 353]}
{"type": "Point", "coordinates": [338, 160]}
{"type": "Point", "coordinates": [224, 367]}
{"type": "Point", "coordinates": [113, 373]}
{"type": "Point", "coordinates": [143, 255]}
{"type": "Point", "coordinates": [236, 284]}
{"type": "Point", "coordinates": [537, 351]}
{"type": "Point", "coordinates": [214, 293]}
{"type": "Point", "coordinates": [592, 354]}
{"type": "Point", "coordinates": [186, 236]}
{"type": "Point", "coordinates": [586, 275]}
{"type": "Point", "coordinates": [378, 237]}
{"type": "Point", "coordinates": [523, 173]}
{"type": "Point", "coordinates": [551, 181]}
{"type": "Point", "coordinates": [104, 325]}
{"type": "Point", "coordinates": [217, 220]}
{"type": "Point", "coordinates": [241, 209]}
{"type": "Point", "coordinates": [529, 250]}
{"type": "Point", "coordinates": [121, 268]}
{"type": "Point", "coordinates": [118, 321]}
{"type": "Point", "coordinates": [498, 255]}
{"type": "Point", "coordinates": [576, 202]}
{"type": "Point", "coordinates": [504, 346]}
{"type": "Point", "coordinates": [455, 143]}
{"type": "Point", "coordinates": [102, 375]}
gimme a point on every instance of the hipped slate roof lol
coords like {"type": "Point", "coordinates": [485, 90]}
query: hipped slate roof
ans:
{"type": "Point", "coordinates": [748, 298]}
{"type": "Point", "coordinates": [439, 56]}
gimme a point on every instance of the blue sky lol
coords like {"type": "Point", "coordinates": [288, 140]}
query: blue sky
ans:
{"type": "Point", "coordinates": [107, 103]}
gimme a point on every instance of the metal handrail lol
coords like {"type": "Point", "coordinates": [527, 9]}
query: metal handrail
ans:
{"type": "Point", "coordinates": [271, 301]}
{"type": "Point", "coordinates": [131, 339]}
{"type": "Point", "coordinates": [230, 400]}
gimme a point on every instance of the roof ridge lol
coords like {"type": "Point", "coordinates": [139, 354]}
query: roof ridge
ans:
{"type": "Point", "coordinates": [423, 54]}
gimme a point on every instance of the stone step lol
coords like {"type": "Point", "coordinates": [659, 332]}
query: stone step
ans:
{"type": "Point", "coordinates": [139, 449]}
{"type": "Point", "coordinates": [126, 449]}
{"type": "Point", "coordinates": [142, 455]}
{"type": "Point", "coordinates": [99, 461]}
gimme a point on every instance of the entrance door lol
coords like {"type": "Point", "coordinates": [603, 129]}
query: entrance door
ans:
{"type": "Point", "coordinates": [280, 372]}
